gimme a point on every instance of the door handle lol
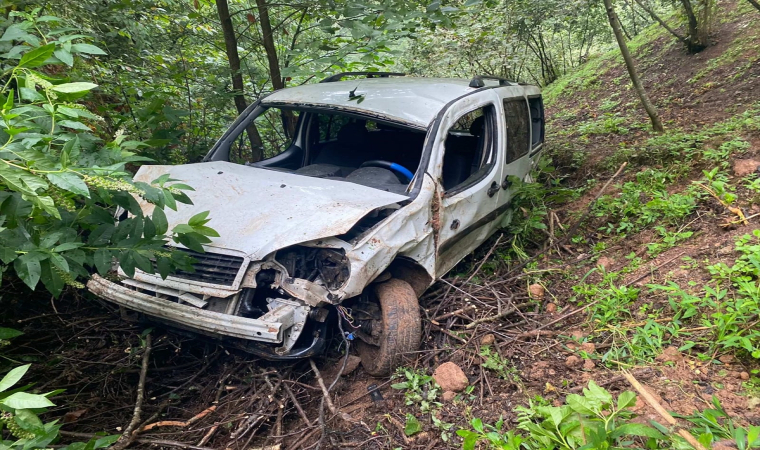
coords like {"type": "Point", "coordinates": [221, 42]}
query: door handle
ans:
{"type": "Point", "coordinates": [493, 189]}
{"type": "Point", "coordinates": [507, 183]}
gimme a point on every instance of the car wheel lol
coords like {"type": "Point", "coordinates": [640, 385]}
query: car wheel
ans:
{"type": "Point", "coordinates": [399, 329]}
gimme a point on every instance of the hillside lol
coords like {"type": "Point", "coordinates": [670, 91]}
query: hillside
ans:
{"type": "Point", "coordinates": [656, 274]}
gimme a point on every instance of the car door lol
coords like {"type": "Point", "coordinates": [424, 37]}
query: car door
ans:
{"type": "Point", "coordinates": [470, 163]}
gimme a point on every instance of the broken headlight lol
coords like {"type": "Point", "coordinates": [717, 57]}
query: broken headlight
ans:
{"type": "Point", "coordinates": [333, 266]}
{"type": "Point", "coordinates": [330, 266]}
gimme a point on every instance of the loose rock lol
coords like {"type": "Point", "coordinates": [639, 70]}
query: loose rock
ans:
{"type": "Point", "coordinates": [588, 364]}
{"type": "Point", "coordinates": [605, 263]}
{"type": "Point", "coordinates": [744, 376]}
{"type": "Point", "coordinates": [488, 339]}
{"type": "Point", "coordinates": [670, 354]}
{"type": "Point", "coordinates": [588, 347]}
{"type": "Point", "coordinates": [572, 361]}
{"type": "Point", "coordinates": [351, 365]}
{"type": "Point", "coordinates": [551, 308]}
{"type": "Point", "coordinates": [536, 291]}
{"type": "Point", "coordinates": [449, 396]}
{"type": "Point", "coordinates": [744, 167]}
{"type": "Point", "coordinates": [450, 377]}
{"type": "Point", "coordinates": [726, 359]}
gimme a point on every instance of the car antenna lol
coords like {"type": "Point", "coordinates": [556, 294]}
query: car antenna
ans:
{"type": "Point", "coordinates": [352, 94]}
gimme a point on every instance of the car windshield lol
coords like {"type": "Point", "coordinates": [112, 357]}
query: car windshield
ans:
{"type": "Point", "coordinates": [326, 144]}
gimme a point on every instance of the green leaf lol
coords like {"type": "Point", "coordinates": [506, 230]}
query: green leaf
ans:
{"type": "Point", "coordinates": [64, 56]}
{"type": "Point", "coordinates": [28, 269]}
{"type": "Point", "coordinates": [159, 220]}
{"type": "Point", "coordinates": [594, 392]}
{"type": "Point", "coordinates": [198, 219]}
{"type": "Point", "coordinates": [75, 125]}
{"type": "Point", "coordinates": [164, 267]}
{"type": "Point", "coordinates": [636, 429]}
{"type": "Point", "coordinates": [626, 399]}
{"type": "Point", "coordinates": [13, 376]}
{"type": "Point", "coordinates": [87, 48]}
{"type": "Point", "coordinates": [8, 102]}
{"type": "Point", "coordinates": [580, 404]}
{"type": "Point", "coordinates": [71, 112]}
{"type": "Point", "coordinates": [9, 333]}
{"type": "Point", "coordinates": [73, 88]}
{"type": "Point", "coordinates": [412, 426]}
{"type": "Point", "coordinates": [29, 421]}
{"type": "Point", "coordinates": [25, 400]}
{"type": "Point", "coordinates": [36, 57]}
{"type": "Point", "coordinates": [102, 259]}
{"type": "Point", "coordinates": [68, 181]}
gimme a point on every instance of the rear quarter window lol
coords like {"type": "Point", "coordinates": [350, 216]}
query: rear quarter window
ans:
{"type": "Point", "coordinates": [518, 128]}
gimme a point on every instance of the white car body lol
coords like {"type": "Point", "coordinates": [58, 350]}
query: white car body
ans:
{"type": "Point", "coordinates": [423, 232]}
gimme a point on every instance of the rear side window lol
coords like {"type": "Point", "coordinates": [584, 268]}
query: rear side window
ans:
{"type": "Point", "coordinates": [518, 128]}
{"type": "Point", "coordinates": [536, 120]}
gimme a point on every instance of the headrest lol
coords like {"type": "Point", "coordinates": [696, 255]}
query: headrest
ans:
{"type": "Point", "coordinates": [353, 132]}
{"type": "Point", "coordinates": [476, 129]}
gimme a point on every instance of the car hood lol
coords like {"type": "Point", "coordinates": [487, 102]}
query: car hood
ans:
{"type": "Point", "coordinates": [257, 211]}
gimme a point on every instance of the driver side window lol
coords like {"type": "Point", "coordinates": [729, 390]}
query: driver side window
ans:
{"type": "Point", "coordinates": [469, 150]}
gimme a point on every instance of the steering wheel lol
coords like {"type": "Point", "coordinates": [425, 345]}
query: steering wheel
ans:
{"type": "Point", "coordinates": [397, 168]}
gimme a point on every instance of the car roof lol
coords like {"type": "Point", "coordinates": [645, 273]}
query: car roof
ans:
{"type": "Point", "coordinates": [412, 101]}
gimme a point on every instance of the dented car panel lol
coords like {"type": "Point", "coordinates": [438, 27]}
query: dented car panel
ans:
{"type": "Point", "coordinates": [256, 211]}
{"type": "Point", "coordinates": [292, 245]}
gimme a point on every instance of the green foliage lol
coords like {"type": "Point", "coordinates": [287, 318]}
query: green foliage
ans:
{"type": "Point", "coordinates": [20, 410]}
{"type": "Point", "coordinates": [418, 389]}
{"type": "Point", "coordinates": [727, 312]}
{"type": "Point", "coordinates": [609, 124]}
{"type": "Point", "coordinates": [61, 181]}
{"type": "Point", "coordinates": [594, 420]}
{"type": "Point", "coordinates": [532, 202]}
{"type": "Point", "coordinates": [501, 366]}
{"type": "Point", "coordinates": [644, 202]}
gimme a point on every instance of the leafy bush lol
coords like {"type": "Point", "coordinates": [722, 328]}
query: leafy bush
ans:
{"type": "Point", "coordinates": [20, 409]}
{"type": "Point", "coordinates": [61, 181]}
{"type": "Point", "coordinates": [593, 420]}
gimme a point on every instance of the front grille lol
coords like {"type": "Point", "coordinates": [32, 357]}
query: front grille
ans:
{"type": "Point", "coordinates": [213, 268]}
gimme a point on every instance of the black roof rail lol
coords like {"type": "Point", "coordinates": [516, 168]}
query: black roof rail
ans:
{"type": "Point", "coordinates": [477, 81]}
{"type": "Point", "coordinates": [340, 76]}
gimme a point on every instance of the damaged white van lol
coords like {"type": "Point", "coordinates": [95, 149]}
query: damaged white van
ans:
{"type": "Point", "coordinates": [370, 189]}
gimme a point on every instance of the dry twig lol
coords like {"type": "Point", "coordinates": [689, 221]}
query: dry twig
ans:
{"type": "Point", "coordinates": [661, 411]}
{"type": "Point", "coordinates": [130, 433]}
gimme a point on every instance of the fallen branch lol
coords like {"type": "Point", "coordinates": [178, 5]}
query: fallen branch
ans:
{"type": "Point", "coordinates": [538, 331]}
{"type": "Point", "coordinates": [167, 443]}
{"type": "Point", "coordinates": [179, 423]}
{"type": "Point", "coordinates": [504, 314]}
{"type": "Point", "coordinates": [652, 269]}
{"type": "Point", "coordinates": [130, 433]}
{"type": "Point", "coordinates": [326, 394]}
{"type": "Point", "coordinates": [436, 320]}
{"type": "Point", "coordinates": [661, 411]}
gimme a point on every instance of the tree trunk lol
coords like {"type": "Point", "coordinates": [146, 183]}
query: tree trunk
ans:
{"type": "Point", "coordinates": [755, 4]}
{"type": "Point", "coordinates": [662, 22]}
{"type": "Point", "coordinates": [615, 24]}
{"type": "Point", "coordinates": [230, 45]}
{"type": "Point", "coordinates": [267, 37]}
{"type": "Point", "coordinates": [695, 44]}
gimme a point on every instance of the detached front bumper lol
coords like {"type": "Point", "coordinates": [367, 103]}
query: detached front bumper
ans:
{"type": "Point", "coordinates": [189, 317]}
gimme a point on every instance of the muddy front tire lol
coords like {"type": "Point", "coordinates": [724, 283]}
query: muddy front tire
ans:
{"type": "Point", "coordinates": [401, 328]}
